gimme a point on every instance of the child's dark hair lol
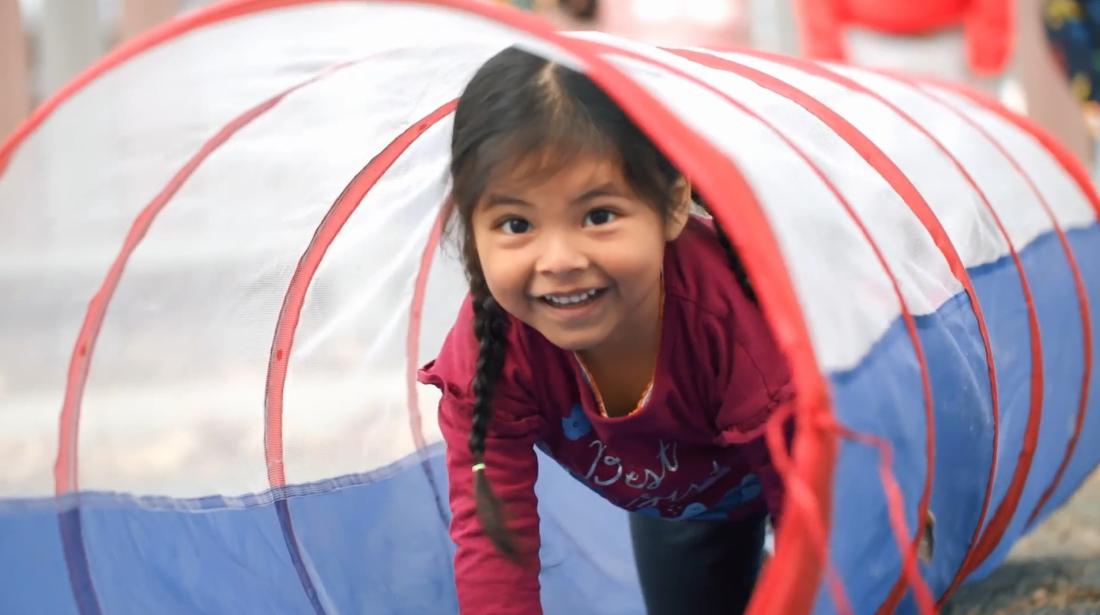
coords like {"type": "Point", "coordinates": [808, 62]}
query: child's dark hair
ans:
{"type": "Point", "coordinates": [524, 113]}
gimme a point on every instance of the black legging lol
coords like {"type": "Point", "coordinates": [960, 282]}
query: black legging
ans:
{"type": "Point", "coordinates": [697, 567]}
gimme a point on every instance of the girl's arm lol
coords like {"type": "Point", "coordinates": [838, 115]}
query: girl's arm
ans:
{"type": "Point", "coordinates": [488, 582]}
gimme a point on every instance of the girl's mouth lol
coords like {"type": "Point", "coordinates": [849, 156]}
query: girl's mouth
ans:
{"type": "Point", "coordinates": [573, 300]}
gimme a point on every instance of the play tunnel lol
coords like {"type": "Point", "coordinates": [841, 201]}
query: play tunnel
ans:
{"type": "Point", "coordinates": [223, 263]}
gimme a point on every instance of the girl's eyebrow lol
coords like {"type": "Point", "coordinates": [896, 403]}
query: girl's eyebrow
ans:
{"type": "Point", "coordinates": [505, 199]}
{"type": "Point", "coordinates": [605, 189]}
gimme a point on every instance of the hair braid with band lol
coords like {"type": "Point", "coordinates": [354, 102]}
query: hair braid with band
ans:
{"type": "Point", "coordinates": [490, 325]}
{"type": "Point", "coordinates": [738, 267]}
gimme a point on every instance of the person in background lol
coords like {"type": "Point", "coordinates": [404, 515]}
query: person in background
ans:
{"type": "Point", "coordinates": [1072, 30]}
{"type": "Point", "coordinates": [998, 46]}
{"type": "Point", "coordinates": [963, 40]}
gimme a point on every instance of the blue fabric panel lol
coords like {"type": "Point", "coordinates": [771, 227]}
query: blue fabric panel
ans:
{"type": "Point", "coordinates": [883, 396]}
{"type": "Point", "coordinates": [1063, 360]}
{"type": "Point", "coordinates": [33, 578]}
{"type": "Point", "coordinates": [214, 561]}
{"type": "Point", "coordinates": [1059, 325]}
{"type": "Point", "coordinates": [963, 424]}
{"type": "Point", "coordinates": [1085, 244]}
{"type": "Point", "coordinates": [381, 548]}
{"type": "Point", "coordinates": [372, 544]}
{"type": "Point", "coordinates": [964, 439]}
{"type": "Point", "coordinates": [71, 523]}
{"type": "Point", "coordinates": [875, 388]}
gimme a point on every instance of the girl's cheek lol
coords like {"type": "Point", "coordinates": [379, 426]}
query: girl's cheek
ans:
{"type": "Point", "coordinates": [633, 266]}
{"type": "Point", "coordinates": [504, 278]}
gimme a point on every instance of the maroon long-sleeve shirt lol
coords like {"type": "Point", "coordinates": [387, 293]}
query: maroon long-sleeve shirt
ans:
{"type": "Point", "coordinates": [681, 455]}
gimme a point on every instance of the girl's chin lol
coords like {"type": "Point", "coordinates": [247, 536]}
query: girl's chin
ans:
{"type": "Point", "coordinates": [572, 342]}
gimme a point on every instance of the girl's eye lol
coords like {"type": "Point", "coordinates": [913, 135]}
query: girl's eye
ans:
{"type": "Point", "coordinates": [597, 217]}
{"type": "Point", "coordinates": [515, 226]}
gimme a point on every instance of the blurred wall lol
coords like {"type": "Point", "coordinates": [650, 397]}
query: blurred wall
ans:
{"type": "Point", "coordinates": [14, 68]}
{"type": "Point", "coordinates": [45, 43]}
{"type": "Point", "coordinates": [70, 39]}
{"type": "Point", "coordinates": [49, 42]}
{"type": "Point", "coordinates": [707, 23]}
{"type": "Point", "coordinates": [140, 15]}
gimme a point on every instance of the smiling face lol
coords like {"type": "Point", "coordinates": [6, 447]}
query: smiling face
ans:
{"type": "Point", "coordinates": [577, 254]}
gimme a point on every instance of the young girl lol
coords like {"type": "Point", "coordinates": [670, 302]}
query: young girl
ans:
{"type": "Point", "coordinates": [604, 325]}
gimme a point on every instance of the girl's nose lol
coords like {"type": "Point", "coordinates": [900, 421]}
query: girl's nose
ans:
{"type": "Point", "coordinates": [559, 254]}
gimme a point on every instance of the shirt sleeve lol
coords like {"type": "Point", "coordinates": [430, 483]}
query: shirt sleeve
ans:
{"type": "Point", "coordinates": [752, 377]}
{"type": "Point", "coordinates": [487, 581]}
{"type": "Point", "coordinates": [753, 384]}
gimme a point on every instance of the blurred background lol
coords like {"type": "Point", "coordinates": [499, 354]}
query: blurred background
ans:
{"type": "Point", "coordinates": [1035, 55]}
{"type": "Point", "coordinates": [1039, 57]}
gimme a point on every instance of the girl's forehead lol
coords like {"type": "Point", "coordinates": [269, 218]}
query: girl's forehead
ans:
{"type": "Point", "coordinates": [541, 170]}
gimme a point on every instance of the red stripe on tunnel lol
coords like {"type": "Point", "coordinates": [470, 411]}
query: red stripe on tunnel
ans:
{"type": "Point", "coordinates": [1036, 383]}
{"type": "Point", "coordinates": [66, 466]}
{"type": "Point", "coordinates": [65, 469]}
{"type": "Point", "coordinates": [290, 312]}
{"type": "Point", "coordinates": [412, 352]}
{"type": "Point", "coordinates": [1080, 176]}
{"type": "Point", "coordinates": [416, 317]}
{"type": "Point", "coordinates": [998, 526]}
{"type": "Point", "coordinates": [904, 188]}
{"type": "Point", "coordinates": [310, 261]}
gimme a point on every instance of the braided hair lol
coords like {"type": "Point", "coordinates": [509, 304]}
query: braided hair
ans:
{"type": "Point", "coordinates": [490, 327]}
{"type": "Point", "coordinates": [521, 109]}
{"type": "Point", "coordinates": [736, 265]}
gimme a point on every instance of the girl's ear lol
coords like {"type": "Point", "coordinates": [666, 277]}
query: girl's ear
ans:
{"type": "Point", "coordinates": [681, 209]}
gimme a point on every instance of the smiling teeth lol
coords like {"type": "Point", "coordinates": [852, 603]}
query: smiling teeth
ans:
{"type": "Point", "coordinates": [571, 299]}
